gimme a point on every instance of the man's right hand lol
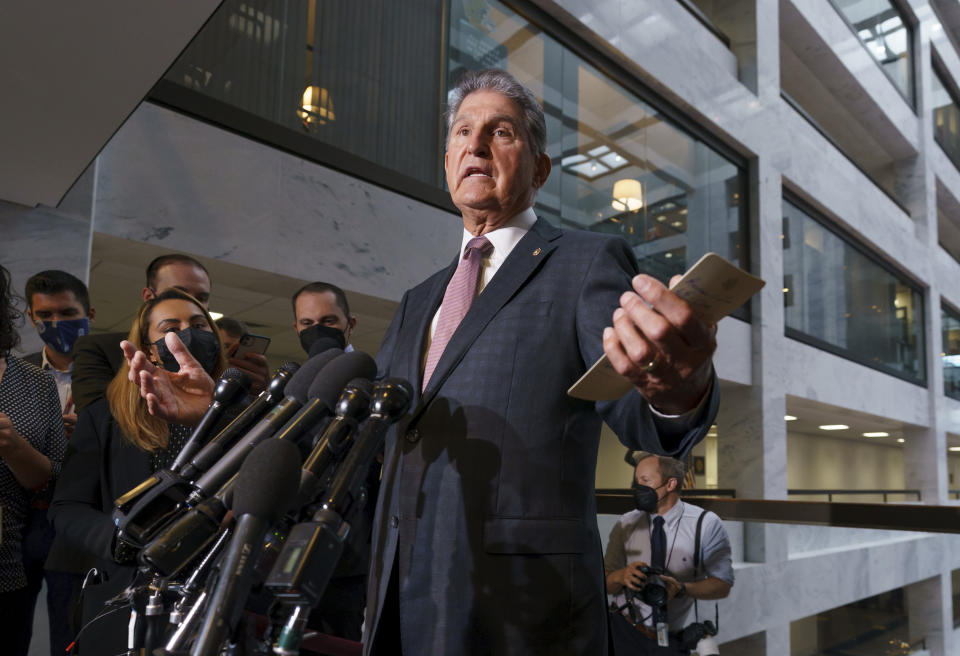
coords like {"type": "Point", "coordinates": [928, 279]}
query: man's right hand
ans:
{"type": "Point", "coordinates": [630, 576]}
{"type": "Point", "coordinates": [179, 398]}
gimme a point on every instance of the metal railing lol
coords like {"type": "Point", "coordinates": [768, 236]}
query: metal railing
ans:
{"type": "Point", "coordinates": [831, 493]}
{"type": "Point", "coordinates": [897, 517]}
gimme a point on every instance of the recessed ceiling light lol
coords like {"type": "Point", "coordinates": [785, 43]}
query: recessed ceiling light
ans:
{"type": "Point", "coordinates": [789, 418]}
{"type": "Point", "coordinates": [877, 434]}
{"type": "Point", "coordinates": [954, 448]}
{"type": "Point", "coordinates": [901, 440]}
{"type": "Point", "coordinates": [830, 427]}
{"type": "Point", "coordinates": [216, 316]}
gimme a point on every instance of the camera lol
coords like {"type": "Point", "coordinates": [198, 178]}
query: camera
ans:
{"type": "Point", "coordinates": [700, 638]}
{"type": "Point", "coordinates": [654, 591]}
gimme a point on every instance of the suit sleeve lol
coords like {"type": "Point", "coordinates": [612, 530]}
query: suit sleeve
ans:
{"type": "Point", "coordinates": [610, 274]}
{"type": "Point", "coordinates": [387, 347]}
{"type": "Point", "coordinates": [76, 509]}
{"type": "Point", "coordinates": [92, 371]}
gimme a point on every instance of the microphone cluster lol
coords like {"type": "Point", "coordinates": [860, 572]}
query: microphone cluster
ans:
{"type": "Point", "coordinates": [239, 514]}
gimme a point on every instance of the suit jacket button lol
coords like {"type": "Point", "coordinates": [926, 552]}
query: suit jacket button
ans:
{"type": "Point", "coordinates": [413, 435]}
{"type": "Point", "coordinates": [394, 521]}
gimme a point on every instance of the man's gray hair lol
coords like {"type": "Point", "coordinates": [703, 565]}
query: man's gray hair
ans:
{"type": "Point", "coordinates": [494, 79]}
{"type": "Point", "coordinates": [668, 467]}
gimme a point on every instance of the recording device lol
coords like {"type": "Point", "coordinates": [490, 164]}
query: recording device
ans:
{"type": "Point", "coordinates": [266, 484]}
{"type": "Point", "coordinates": [251, 343]}
{"type": "Point", "coordinates": [301, 573]}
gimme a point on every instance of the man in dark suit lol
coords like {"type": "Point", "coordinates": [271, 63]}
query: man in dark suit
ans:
{"type": "Point", "coordinates": [486, 540]}
{"type": "Point", "coordinates": [97, 358]}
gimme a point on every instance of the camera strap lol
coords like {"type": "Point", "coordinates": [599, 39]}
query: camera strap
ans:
{"type": "Point", "coordinates": [696, 558]}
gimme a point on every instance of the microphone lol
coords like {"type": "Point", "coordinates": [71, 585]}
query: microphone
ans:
{"type": "Point", "coordinates": [233, 386]}
{"type": "Point", "coordinates": [266, 483]}
{"type": "Point", "coordinates": [313, 548]}
{"type": "Point", "coordinates": [325, 390]}
{"type": "Point", "coordinates": [253, 412]}
{"type": "Point", "coordinates": [220, 472]}
{"type": "Point", "coordinates": [353, 407]}
{"type": "Point", "coordinates": [188, 536]}
{"type": "Point", "coordinates": [142, 511]}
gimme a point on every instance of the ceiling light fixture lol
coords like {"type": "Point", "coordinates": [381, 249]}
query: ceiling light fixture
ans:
{"type": "Point", "coordinates": [789, 418]}
{"type": "Point", "coordinates": [954, 448]}
{"type": "Point", "coordinates": [216, 316]}
{"type": "Point", "coordinates": [877, 434]}
{"type": "Point", "coordinates": [833, 427]}
{"type": "Point", "coordinates": [901, 440]}
{"type": "Point", "coordinates": [627, 195]}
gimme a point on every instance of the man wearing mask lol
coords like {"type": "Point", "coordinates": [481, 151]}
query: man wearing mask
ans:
{"type": "Point", "coordinates": [321, 316]}
{"type": "Point", "coordinates": [58, 304]}
{"type": "Point", "coordinates": [662, 533]}
{"type": "Point", "coordinates": [98, 357]}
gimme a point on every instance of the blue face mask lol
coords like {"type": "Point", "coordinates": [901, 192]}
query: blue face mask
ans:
{"type": "Point", "coordinates": [61, 335]}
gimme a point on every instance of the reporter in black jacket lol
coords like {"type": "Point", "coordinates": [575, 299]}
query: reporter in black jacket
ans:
{"type": "Point", "coordinates": [117, 444]}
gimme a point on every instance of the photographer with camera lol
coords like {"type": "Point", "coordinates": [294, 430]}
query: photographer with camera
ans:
{"type": "Point", "coordinates": [660, 559]}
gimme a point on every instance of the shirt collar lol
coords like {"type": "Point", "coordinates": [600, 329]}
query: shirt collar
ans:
{"type": "Point", "coordinates": [46, 364]}
{"type": "Point", "coordinates": [674, 514]}
{"type": "Point", "coordinates": [506, 237]}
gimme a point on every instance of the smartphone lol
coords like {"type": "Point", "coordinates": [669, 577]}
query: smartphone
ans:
{"type": "Point", "coordinates": [251, 343]}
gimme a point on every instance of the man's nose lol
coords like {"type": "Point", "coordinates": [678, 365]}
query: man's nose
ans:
{"type": "Point", "coordinates": [478, 144]}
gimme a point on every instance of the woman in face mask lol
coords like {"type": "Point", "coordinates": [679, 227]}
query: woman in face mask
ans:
{"type": "Point", "coordinates": [117, 444]}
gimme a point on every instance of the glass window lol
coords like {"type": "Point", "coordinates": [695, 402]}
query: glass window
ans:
{"type": "Point", "coordinates": [838, 298]}
{"type": "Point", "coordinates": [361, 77]}
{"type": "Point", "coordinates": [619, 165]}
{"type": "Point", "coordinates": [886, 33]}
{"type": "Point", "coordinates": [950, 356]}
{"type": "Point", "coordinates": [946, 117]}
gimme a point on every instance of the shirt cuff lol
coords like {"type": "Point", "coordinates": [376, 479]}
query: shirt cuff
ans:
{"type": "Point", "coordinates": [676, 424]}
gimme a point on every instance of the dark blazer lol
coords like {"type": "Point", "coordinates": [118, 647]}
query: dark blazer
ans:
{"type": "Point", "coordinates": [96, 360]}
{"type": "Point", "coordinates": [487, 499]}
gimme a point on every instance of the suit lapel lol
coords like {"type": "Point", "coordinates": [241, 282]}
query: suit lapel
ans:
{"type": "Point", "coordinates": [526, 257]}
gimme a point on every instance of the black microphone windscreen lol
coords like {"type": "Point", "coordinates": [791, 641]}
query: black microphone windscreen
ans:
{"type": "Point", "coordinates": [303, 379]}
{"type": "Point", "coordinates": [335, 376]}
{"type": "Point", "coordinates": [268, 480]}
{"type": "Point", "coordinates": [239, 377]}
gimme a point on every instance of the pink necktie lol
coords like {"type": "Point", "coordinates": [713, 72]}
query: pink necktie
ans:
{"type": "Point", "coordinates": [458, 298]}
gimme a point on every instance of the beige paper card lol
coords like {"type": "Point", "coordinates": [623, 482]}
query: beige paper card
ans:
{"type": "Point", "coordinates": [713, 287]}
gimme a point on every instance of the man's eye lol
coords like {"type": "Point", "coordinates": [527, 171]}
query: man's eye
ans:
{"type": "Point", "coordinates": [463, 132]}
{"type": "Point", "coordinates": [202, 325]}
{"type": "Point", "coordinates": [502, 132]}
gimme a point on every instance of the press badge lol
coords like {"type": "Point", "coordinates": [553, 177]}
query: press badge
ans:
{"type": "Point", "coordinates": [663, 639]}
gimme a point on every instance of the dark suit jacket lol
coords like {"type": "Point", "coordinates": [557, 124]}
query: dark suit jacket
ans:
{"type": "Point", "coordinates": [487, 500]}
{"type": "Point", "coordinates": [96, 360]}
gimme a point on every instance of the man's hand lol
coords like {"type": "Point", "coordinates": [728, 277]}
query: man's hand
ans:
{"type": "Point", "coordinates": [630, 576]}
{"type": "Point", "coordinates": [661, 347]}
{"type": "Point", "coordinates": [673, 585]}
{"type": "Point", "coordinates": [69, 423]}
{"type": "Point", "coordinates": [255, 366]}
{"type": "Point", "coordinates": [180, 398]}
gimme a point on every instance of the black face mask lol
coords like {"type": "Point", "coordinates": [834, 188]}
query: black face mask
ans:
{"type": "Point", "coordinates": [645, 497]}
{"type": "Point", "coordinates": [318, 338]}
{"type": "Point", "coordinates": [202, 345]}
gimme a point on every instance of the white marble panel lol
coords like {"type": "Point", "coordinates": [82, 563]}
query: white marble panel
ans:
{"type": "Point", "coordinates": [734, 356]}
{"type": "Point", "coordinates": [168, 179]}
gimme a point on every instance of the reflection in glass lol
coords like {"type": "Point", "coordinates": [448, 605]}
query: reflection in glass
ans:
{"type": "Point", "coordinates": [946, 118]}
{"type": "Point", "coordinates": [886, 34]}
{"type": "Point", "coordinates": [844, 301]}
{"type": "Point", "coordinates": [685, 199]}
{"type": "Point", "coordinates": [950, 328]}
{"type": "Point", "coordinates": [875, 626]}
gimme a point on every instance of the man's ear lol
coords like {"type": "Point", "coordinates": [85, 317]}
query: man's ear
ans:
{"type": "Point", "coordinates": [672, 485]}
{"type": "Point", "coordinates": [146, 294]}
{"type": "Point", "coordinates": [92, 314]}
{"type": "Point", "coordinates": [541, 171]}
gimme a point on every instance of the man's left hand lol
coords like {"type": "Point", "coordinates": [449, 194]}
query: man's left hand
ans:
{"type": "Point", "coordinates": [661, 347]}
{"type": "Point", "coordinates": [673, 585]}
{"type": "Point", "coordinates": [255, 366]}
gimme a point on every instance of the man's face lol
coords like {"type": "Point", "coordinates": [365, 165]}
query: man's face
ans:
{"type": "Point", "coordinates": [491, 169]}
{"type": "Point", "coordinates": [61, 306]}
{"type": "Point", "coordinates": [648, 473]}
{"type": "Point", "coordinates": [321, 308]}
{"type": "Point", "coordinates": [183, 276]}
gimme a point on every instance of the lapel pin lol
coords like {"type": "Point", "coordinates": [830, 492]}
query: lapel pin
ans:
{"type": "Point", "coordinates": [537, 252]}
